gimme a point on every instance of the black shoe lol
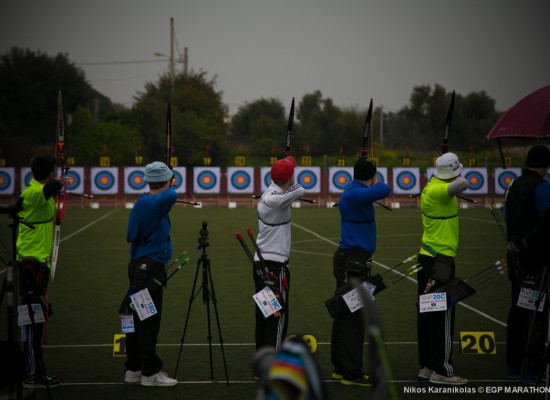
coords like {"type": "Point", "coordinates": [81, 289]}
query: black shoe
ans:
{"type": "Point", "coordinates": [39, 382]}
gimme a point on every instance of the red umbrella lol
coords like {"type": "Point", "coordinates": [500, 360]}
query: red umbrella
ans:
{"type": "Point", "coordinates": [529, 118]}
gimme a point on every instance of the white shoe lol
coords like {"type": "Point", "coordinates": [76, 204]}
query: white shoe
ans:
{"type": "Point", "coordinates": [158, 379]}
{"type": "Point", "coordinates": [447, 380]}
{"type": "Point", "coordinates": [132, 376]}
{"type": "Point", "coordinates": [424, 374]}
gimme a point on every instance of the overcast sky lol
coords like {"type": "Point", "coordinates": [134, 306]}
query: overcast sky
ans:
{"type": "Point", "coordinates": [350, 50]}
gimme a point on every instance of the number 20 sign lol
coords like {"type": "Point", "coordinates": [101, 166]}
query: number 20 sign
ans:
{"type": "Point", "coordinates": [478, 343]}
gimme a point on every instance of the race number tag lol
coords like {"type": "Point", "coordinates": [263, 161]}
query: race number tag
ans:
{"type": "Point", "coordinates": [267, 302]}
{"type": "Point", "coordinates": [353, 298]}
{"type": "Point", "coordinates": [23, 317]}
{"type": "Point", "coordinates": [432, 302]}
{"type": "Point", "coordinates": [143, 304]}
{"type": "Point", "coordinates": [528, 297]}
{"type": "Point", "coordinates": [127, 323]}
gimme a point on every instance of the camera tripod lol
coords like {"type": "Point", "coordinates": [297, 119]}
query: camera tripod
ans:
{"type": "Point", "coordinates": [208, 293]}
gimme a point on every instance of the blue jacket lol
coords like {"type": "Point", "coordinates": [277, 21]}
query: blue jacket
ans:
{"type": "Point", "coordinates": [149, 226]}
{"type": "Point", "coordinates": [358, 227]}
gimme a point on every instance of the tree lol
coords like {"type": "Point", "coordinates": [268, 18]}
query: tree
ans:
{"type": "Point", "coordinates": [29, 83]}
{"type": "Point", "coordinates": [198, 115]}
{"type": "Point", "coordinates": [260, 127]}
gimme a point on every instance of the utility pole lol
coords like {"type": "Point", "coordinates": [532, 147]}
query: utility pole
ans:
{"type": "Point", "coordinates": [171, 67]}
{"type": "Point", "coordinates": [185, 59]}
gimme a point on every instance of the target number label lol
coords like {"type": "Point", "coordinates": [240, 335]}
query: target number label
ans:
{"type": "Point", "coordinates": [119, 345]}
{"type": "Point", "coordinates": [478, 343]}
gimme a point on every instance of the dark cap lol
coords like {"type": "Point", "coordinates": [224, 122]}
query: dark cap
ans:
{"type": "Point", "coordinates": [538, 157]}
{"type": "Point", "coordinates": [364, 169]}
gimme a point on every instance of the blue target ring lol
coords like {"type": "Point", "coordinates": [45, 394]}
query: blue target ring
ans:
{"type": "Point", "coordinates": [28, 178]}
{"type": "Point", "coordinates": [177, 181]}
{"type": "Point", "coordinates": [475, 180]}
{"type": "Point", "coordinates": [406, 180]}
{"type": "Point", "coordinates": [5, 180]}
{"type": "Point", "coordinates": [505, 178]}
{"type": "Point", "coordinates": [73, 180]}
{"type": "Point", "coordinates": [207, 180]}
{"type": "Point", "coordinates": [104, 180]}
{"type": "Point", "coordinates": [378, 177]}
{"type": "Point", "coordinates": [136, 180]}
{"type": "Point", "coordinates": [267, 179]}
{"type": "Point", "coordinates": [240, 179]}
{"type": "Point", "coordinates": [341, 179]}
{"type": "Point", "coordinates": [307, 179]}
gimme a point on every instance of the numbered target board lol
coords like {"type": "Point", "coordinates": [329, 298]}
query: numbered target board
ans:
{"type": "Point", "coordinates": [478, 343]}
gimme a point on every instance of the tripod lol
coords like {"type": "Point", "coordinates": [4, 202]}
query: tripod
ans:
{"type": "Point", "coordinates": [208, 294]}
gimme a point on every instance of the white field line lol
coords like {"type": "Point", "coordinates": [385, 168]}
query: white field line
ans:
{"type": "Point", "coordinates": [399, 273]}
{"type": "Point", "coordinates": [90, 224]}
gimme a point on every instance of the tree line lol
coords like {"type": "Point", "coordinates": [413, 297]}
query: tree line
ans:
{"type": "Point", "coordinates": [201, 127]}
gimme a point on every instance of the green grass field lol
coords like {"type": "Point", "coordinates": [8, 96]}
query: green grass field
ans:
{"type": "Point", "coordinates": [91, 280]}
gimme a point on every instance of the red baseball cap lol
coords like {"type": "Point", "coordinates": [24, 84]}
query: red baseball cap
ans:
{"type": "Point", "coordinates": [283, 169]}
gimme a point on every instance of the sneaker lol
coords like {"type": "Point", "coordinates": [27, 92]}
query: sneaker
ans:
{"type": "Point", "coordinates": [337, 376]}
{"type": "Point", "coordinates": [424, 374]}
{"type": "Point", "coordinates": [158, 379]}
{"type": "Point", "coordinates": [513, 373]}
{"type": "Point", "coordinates": [39, 382]}
{"type": "Point", "coordinates": [447, 380]}
{"type": "Point", "coordinates": [132, 376]}
{"type": "Point", "coordinates": [362, 381]}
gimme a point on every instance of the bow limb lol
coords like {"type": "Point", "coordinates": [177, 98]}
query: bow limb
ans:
{"type": "Point", "coordinates": [289, 129]}
{"type": "Point", "coordinates": [447, 129]}
{"type": "Point", "coordinates": [366, 130]}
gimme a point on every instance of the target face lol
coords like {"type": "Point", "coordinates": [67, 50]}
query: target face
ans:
{"type": "Point", "coordinates": [341, 179]}
{"type": "Point", "coordinates": [104, 180]}
{"type": "Point", "coordinates": [178, 180]}
{"type": "Point", "coordinates": [136, 180]}
{"type": "Point", "coordinates": [406, 180]}
{"type": "Point", "coordinates": [475, 180]}
{"type": "Point", "coordinates": [307, 179]}
{"type": "Point", "coordinates": [505, 178]}
{"type": "Point", "coordinates": [378, 177]}
{"type": "Point", "coordinates": [207, 180]}
{"type": "Point", "coordinates": [240, 180]}
{"type": "Point", "coordinates": [73, 180]}
{"type": "Point", "coordinates": [5, 181]}
{"type": "Point", "coordinates": [267, 179]}
{"type": "Point", "coordinates": [28, 178]}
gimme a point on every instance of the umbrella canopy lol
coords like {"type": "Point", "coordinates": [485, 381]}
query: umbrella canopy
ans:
{"type": "Point", "coordinates": [529, 118]}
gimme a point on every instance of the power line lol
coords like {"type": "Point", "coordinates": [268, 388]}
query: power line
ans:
{"type": "Point", "coordinates": [119, 62]}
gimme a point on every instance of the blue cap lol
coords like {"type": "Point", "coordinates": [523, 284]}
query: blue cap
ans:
{"type": "Point", "coordinates": [157, 172]}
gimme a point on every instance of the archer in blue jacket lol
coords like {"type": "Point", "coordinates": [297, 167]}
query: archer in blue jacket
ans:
{"type": "Point", "coordinates": [353, 258]}
{"type": "Point", "coordinates": [151, 248]}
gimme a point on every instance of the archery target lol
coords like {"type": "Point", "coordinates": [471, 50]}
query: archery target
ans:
{"type": "Point", "coordinates": [308, 177]}
{"type": "Point", "coordinates": [266, 177]}
{"type": "Point", "coordinates": [179, 179]}
{"type": "Point", "coordinates": [477, 180]}
{"type": "Point", "coordinates": [134, 180]}
{"type": "Point", "coordinates": [207, 180]}
{"type": "Point", "coordinates": [381, 175]}
{"type": "Point", "coordinates": [503, 178]}
{"type": "Point", "coordinates": [74, 179]}
{"type": "Point", "coordinates": [339, 178]}
{"type": "Point", "coordinates": [26, 176]}
{"type": "Point", "coordinates": [405, 180]}
{"type": "Point", "coordinates": [104, 180]}
{"type": "Point", "coordinates": [7, 182]}
{"type": "Point", "coordinates": [240, 180]}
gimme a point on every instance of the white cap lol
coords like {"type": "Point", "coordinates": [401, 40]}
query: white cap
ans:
{"type": "Point", "coordinates": [157, 172]}
{"type": "Point", "coordinates": [447, 166]}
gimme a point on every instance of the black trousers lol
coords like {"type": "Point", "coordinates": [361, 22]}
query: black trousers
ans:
{"type": "Point", "coordinates": [34, 278]}
{"type": "Point", "coordinates": [271, 331]}
{"type": "Point", "coordinates": [522, 329]}
{"type": "Point", "coordinates": [141, 345]}
{"type": "Point", "coordinates": [348, 332]}
{"type": "Point", "coordinates": [435, 330]}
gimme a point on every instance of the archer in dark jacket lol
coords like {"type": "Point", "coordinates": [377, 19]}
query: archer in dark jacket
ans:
{"type": "Point", "coordinates": [527, 210]}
